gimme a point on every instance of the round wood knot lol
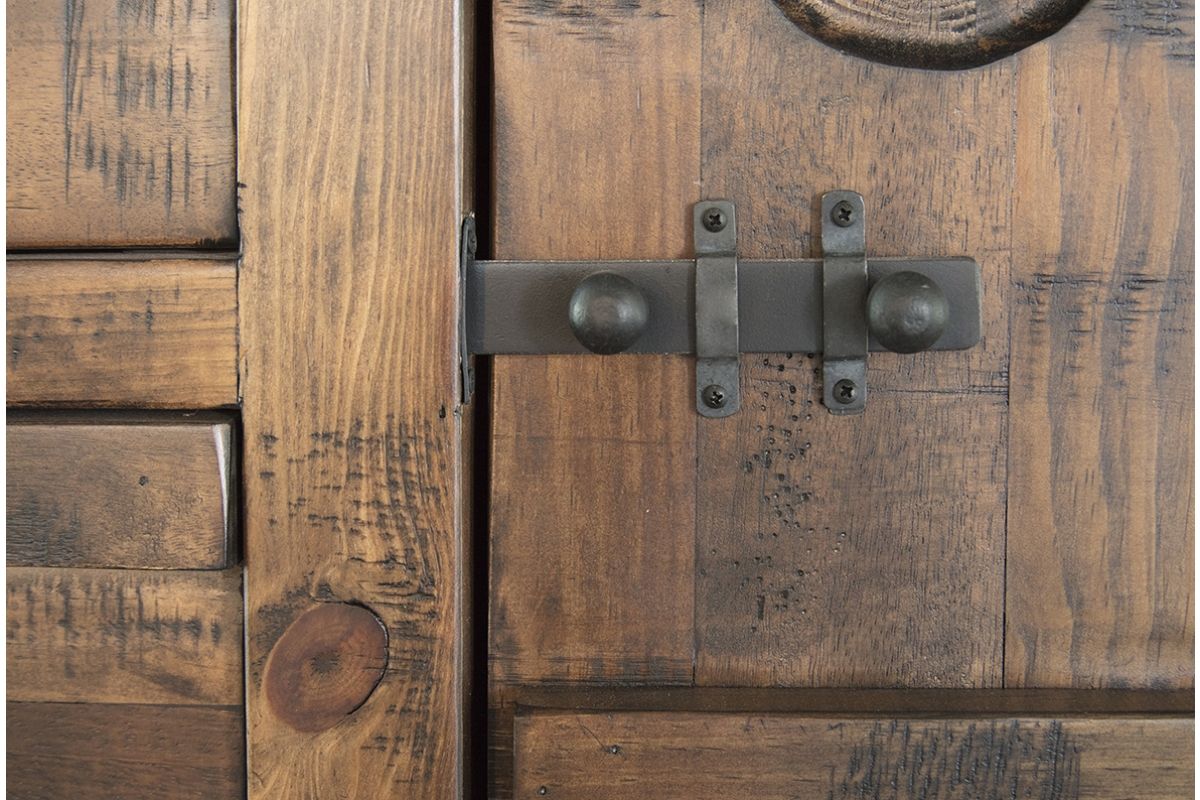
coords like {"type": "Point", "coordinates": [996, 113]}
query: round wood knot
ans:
{"type": "Point", "coordinates": [933, 34]}
{"type": "Point", "coordinates": [326, 665]}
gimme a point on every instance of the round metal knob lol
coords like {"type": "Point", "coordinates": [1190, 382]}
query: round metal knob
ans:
{"type": "Point", "coordinates": [608, 312]}
{"type": "Point", "coordinates": [907, 312]}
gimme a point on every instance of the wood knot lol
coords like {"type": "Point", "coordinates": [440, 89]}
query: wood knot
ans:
{"type": "Point", "coordinates": [930, 34]}
{"type": "Point", "coordinates": [325, 665]}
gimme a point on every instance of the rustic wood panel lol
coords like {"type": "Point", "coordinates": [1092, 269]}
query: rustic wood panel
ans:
{"type": "Point", "coordinates": [97, 752]}
{"type": "Point", "coordinates": [931, 34]}
{"type": "Point", "coordinates": [124, 636]}
{"type": "Point", "coordinates": [133, 495]}
{"type": "Point", "coordinates": [695, 756]}
{"type": "Point", "coordinates": [159, 333]}
{"type": "Point", "coordinates": [120, 123]}
{"type": "Point", "coordinates": [349, 367]}
{"type": "Point", "coordinates": [592, 486]}
{"type": "Point", "coordinates": [1101, 525]}
{"type": "Point", "coordinates": [864, 551]}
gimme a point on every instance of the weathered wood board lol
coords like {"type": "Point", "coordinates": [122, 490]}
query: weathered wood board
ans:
{"type": "Point", "coordinates": [120, 123]}
{"type": "Point", "coordinates": [158, 333]}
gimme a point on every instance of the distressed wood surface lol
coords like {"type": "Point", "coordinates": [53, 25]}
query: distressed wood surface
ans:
{"type": "Point", "coordinates": [353, 452]}
{"type": "Point", "coordinates": [124, 636]}
{"type": "Point", "coordinates": [596, 147]}
{"type": "Point", "coordinates": [856, 551]}
{"type": "Point", "coordinates": [1101, 520]}
{"type": "Point", "coordinates": [98, 752]}
{"type": "Point", "coordinates": [693, 756]}
{"type": "Point", "coordinates": [120, 123]}
{"type": "Point", "coordinates": [132, 495]}
{"type": "Point", "coordinates": [160, 333]}
{"type": "Point", "coordinates": [931, 34]}
{"type": "Point", "coordinates": [592, 486]}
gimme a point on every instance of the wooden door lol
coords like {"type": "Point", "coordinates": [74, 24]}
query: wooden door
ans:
{"type": "Point", "coordinates": [1000, 548]}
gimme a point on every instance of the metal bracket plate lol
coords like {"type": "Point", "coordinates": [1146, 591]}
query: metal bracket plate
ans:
{"type": "Point", "coordinates": [718, 387]}
{"type": "Point", "coordinates": [844, 289]}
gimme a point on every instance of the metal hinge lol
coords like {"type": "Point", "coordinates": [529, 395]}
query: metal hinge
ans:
{"type": "Point", "coordinates": [717, 306]}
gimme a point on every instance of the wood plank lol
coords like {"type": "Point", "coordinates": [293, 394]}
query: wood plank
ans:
{"type": "Point", "coordinates": [128, 495]}
{"type": "Point", "coordinates": [592, 486]}
{"type": "Point", "coordinates": [694, 756]}
{"type": "Point", "coordinates": [354, 454]}
{"type": "Point", "coordinates": [96, 752]}
{"type": "Point", "coordinates": [1101, 520]}
{"type": "Point", "coordinates": [124, 636]}
{"type": "Point", "coordinates": [856, 551]}
{"type": "Point", "coordinates": [155, 334]}
{"type": "Point", "coordinates": [120, 124]}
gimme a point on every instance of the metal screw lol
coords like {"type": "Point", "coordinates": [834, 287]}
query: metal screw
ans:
{"type": "Point", "coordinates": [714, 396]}
{"type": "Point", "coordinates": [714, 219]}
{"type": "Point", "coordinates": [615, 749]}
{"type": "Point", "coordinates": [844, 391]}
{"type": "Point", "coordinates": [843, 214]}
{"type": "Point", "coordinates": [543, 790]}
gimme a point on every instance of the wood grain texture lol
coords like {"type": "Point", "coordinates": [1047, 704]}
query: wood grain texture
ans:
{"type": "Point", "coordinates": [98, 752]}
{"type": "Point", "coordinates": [931, 34]}
{"type": "Point", "coordinates": [696, 756]}
{"type": "Point", "coordinates": [349, 369]}
{"type": "Point", "coordinates": [1101, 521]}
{"type": "Point", "coordinates": [864, 551]}
{"type": "Point", "coordinates": [592, 486]}
{"type": "Point", "coordinates": [124, 636]}
{"type": "Point", "coordinates": [149, 496]}
{"type": "Point", "coordinates": [120, 123]}
{"type": "Point", "coordinates": [155, 334]}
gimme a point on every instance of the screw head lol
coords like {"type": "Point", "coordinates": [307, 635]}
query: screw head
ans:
{"type": "Point", "coordinates": [714, 396]}
{"type": "Point", "coordinates": [713, 219]}
{"type": "Point", "coordinates": [845, 391]}
{"type": "Point", "coordinates": [842, 214]}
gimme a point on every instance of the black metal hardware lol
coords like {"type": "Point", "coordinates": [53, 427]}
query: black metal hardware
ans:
{"type": "Point", "coordinates": [607, 312]}
{"type": "Point", "coordinates": [844, 292]}
{"type": "Point", "coordinates": [728, 305]}
{"type": "Point", "coordinates": [718, 386]}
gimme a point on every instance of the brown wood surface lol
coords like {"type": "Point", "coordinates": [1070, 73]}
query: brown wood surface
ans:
{"type": "Point", "coordinates": [1101, 523]}
{"type": "Point", "coordinates": [350, 146]}
{"type": "Point", "coordinates": [120, 123]}
{"type": "Point", "coordinates": [158, 333]}
{"type": "Point", "coordinates": [856, 551]}
{"type": "Point", "coordinates": [696, 756]}
{"type": "Point", "coordinates": [98, 752]}
{"type": "Point", "coordinates": [120, 495]}
{"type": "Point", "coordinates": [592, 459]}
{"type": "Point", "coordinates": [931, 34]}
{"type": "Point", "coordinates": [124, 636]}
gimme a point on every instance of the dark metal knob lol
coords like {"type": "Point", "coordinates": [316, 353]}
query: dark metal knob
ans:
{"type": "Point", "coordinates": [608, 312]}
{"type": "Point", "coordinates": [907, 312]}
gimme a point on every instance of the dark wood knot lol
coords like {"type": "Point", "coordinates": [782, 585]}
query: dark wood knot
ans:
{"type": "Point", "coordinates": [325, 665]}
{"type": "Point", "coordinates": [932, 34]}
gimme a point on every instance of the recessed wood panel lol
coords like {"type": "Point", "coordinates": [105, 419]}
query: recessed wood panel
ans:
{"type": "Point", "coordinates": [147, 333]}
{"type": "Point", "coordinates": [98, 752]}
{"type": "Point", "coordinates": [124, 636]}
{"type": "Point", "coordinates": [1101, 519]}
{"type": "Point", "coordinates": [130, 495]}
{"type": "Point", "coordinates": [707, 756]}
{"type": "Point", "coordinates": [120, 123]}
